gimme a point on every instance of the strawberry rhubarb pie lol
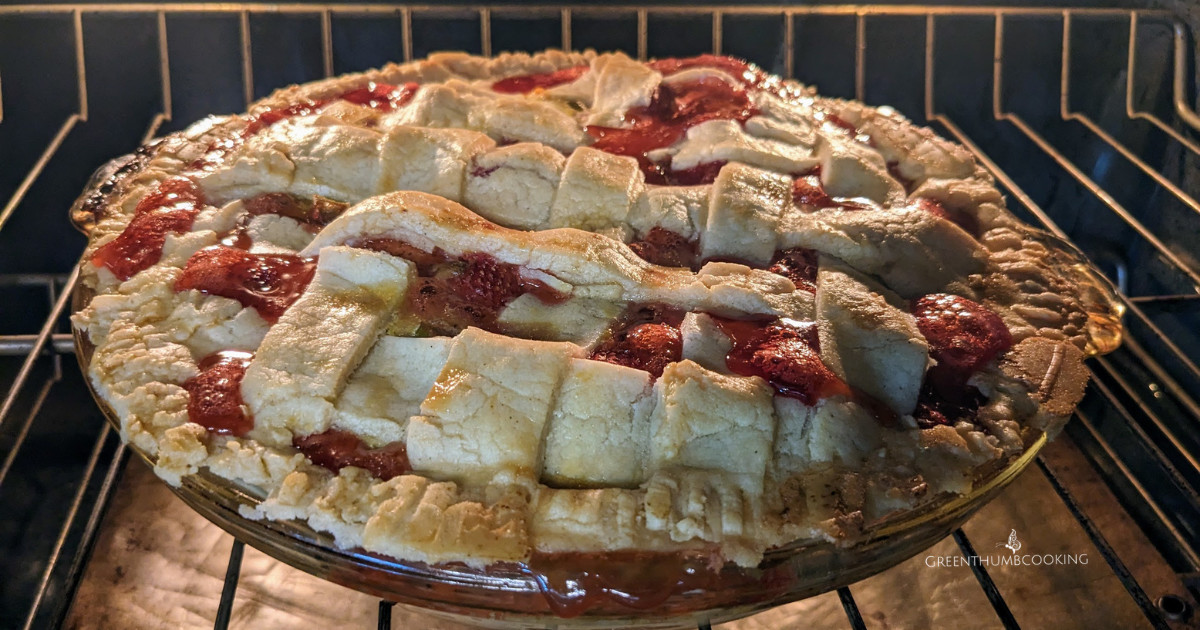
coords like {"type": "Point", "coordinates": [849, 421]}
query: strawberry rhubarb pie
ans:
{"type": "Point", "coordinates": [470, 310]}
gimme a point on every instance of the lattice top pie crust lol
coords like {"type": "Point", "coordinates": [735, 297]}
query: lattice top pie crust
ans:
{"type": "Point", "coordinates": [519, 444]}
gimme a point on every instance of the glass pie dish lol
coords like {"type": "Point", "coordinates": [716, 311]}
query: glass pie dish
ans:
{"type": "Point", "coordinates": [646, 589]}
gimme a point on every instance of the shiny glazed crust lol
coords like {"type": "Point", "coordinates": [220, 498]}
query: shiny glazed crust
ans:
{"type": "Point", "coordinates": [522, 444]}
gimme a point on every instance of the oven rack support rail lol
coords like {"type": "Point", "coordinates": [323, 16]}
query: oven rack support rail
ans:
{"type": "Point", "coordinates": [108, 456]}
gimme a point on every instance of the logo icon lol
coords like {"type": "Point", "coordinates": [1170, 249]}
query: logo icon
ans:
{"type": "Point", "coordinates": [1013, 544]}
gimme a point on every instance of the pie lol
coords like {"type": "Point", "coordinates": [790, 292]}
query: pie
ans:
{"type": "Point", "coordinates": [477, 309]}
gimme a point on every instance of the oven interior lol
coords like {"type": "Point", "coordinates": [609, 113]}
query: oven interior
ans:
{"type": "Point", "coordinates": [1083, 115]}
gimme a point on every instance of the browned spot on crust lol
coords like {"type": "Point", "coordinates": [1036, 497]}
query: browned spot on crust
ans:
{"type": "Point", "coordinates": [90, 208]}
{"type": "Point", "coordinates": [795, 502]}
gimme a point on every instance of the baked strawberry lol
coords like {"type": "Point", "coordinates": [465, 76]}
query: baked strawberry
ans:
{"type": "Point", "coordinates": [798, 265]}
{"type": "Point", "coordinates": [488, 280]}
{"type": "Point", "coordinates": [648, 346]}
{"type": "Point", "coordinates": [963, 336]}
{"type": "Point", "coordinates": [785, 354]}
{"type": "Point", "coordinates": [807, 190]}
{"type": "Point", "coordinates": [664, 247]}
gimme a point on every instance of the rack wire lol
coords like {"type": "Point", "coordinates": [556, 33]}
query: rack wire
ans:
{"type": "Point", "coordinates": [1168, 366]}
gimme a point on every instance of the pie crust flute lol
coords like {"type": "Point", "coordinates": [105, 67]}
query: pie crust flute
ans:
{"type": "Point", "coordinates": [472, 310]}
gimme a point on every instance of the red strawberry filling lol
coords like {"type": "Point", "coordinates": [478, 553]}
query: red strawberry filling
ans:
{"type": "Point", "coordinates": [268, 283]}
{"type": "Point", "coordinates": [646, 337]}
{"type": "Point", "coordinates": [964, 336]}
{"type": "Point", "coordinates": [169, 209]}
{"type": "Point", "coordinates": [215, 394]}
{"type": "Point", "coordinates": [837, 122]}
{"type": "Point", "coordinates": [258, 122]}
{"type": "Point", "coordinates": [662, 173]}
{"type": "Point", "coordinates": [676, 107]}
{"type": "Point", "coordinates": [798, 265]}
{"type": "Point", "coordinates": [784, 353]}
{"type": "Point", "coordinates": [454, 293]}
{"type": "Point", "coordinates": [426, 262]}
{"type": "Point", "coordinates": [527, 83]}
{"type": "Point", "coordinates": [673, 110]}
{"type": "Point", "coordinates": [381, 96]}
{"type": "Point", "coordinates": [808, 192]}
{"type": "Point", "coordinates": [487, 281]}
{"type": "Point", "coordinates": [742, 71]}
{"type": "Point", "coordinates": [313, 214]}
{"type": "Point", "coordinates": [666, 248]}
{"type": "Point", "coordinates": [215, 403]}
{"type": "Point", "coordinates": [335, 449]}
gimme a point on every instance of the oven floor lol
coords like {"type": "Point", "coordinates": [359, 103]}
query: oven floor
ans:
{"type": "Point", "coordinates": [157, 564]}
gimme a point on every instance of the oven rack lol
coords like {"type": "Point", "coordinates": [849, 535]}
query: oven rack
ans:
{"type": "Point", "coordinates": [1155, 474]}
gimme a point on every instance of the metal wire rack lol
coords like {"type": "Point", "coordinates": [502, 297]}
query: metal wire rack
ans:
{"type": "Point", "coordinates": [1134, 424]}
